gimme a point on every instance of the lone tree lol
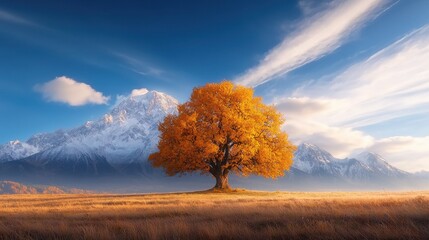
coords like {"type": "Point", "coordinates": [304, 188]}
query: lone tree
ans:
{"type": "Point", "coordinates": [223, 128]}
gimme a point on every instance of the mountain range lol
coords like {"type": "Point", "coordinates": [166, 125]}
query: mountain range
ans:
{"type": "Point", "coordinates": [119, 143]}
{"type": "Point", "coordinates": [365, 166]}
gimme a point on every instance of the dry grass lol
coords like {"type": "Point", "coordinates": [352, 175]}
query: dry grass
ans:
{"type": "Point", "coordinates": [235, 215]}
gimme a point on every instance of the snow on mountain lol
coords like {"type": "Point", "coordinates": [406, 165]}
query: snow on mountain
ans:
{"type": "Point", "coordinates": [15, 150]}
{"type": "Point", "coordinates": [130, 127]}
{"type": "Point", "coordinates": [122, 139]}
{"type": "Point", "coordinates": [354, 169]}
{"type": "Point", "coordinates": [43, 141]}
{"type": "Point", "coordinates": [71, 159]}
{"type": "Point", "coordinates": [364, 166]}
{"type": "Point", "coordinates": [378, 164]}
{"type": "Point", "coordinates": [314, 160]}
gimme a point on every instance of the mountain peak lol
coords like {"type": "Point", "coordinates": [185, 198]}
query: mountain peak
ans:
{"type": "Point", "coordinates": [145, 100]}
{"type": "Point", "coordinates": [14, 142]}
{"type": "Point", "coordinates": [306, 145]}
{"type": "Point", "coordinates": [131, 125]}
{"type": "Point", "coordinates": [15, 150]}
{"type": "Point", "coordinates": [309, 158]}
{"type": "Point", "coordinates": [312, 149]}
{"type": "Point", "coordinates": [140, 108]}
{"type": "Point", "coordinates": [377, 163]}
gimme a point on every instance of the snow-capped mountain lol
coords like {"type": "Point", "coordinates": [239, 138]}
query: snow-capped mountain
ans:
{"type": "Point", "coordinates": [378, 164]}
{"type": "Point", "coordinates": [128, 134]}
{"type": "Point", "coordinates": [131, 126]}
{"type": "Point", "coordinates": [364, 166]}
{"type": "Point", "coordinates": [314, 160]}
{"type": "Point", "coordinates": [120, 142]}
{"type": "Point", "coordinates": [16, 150]}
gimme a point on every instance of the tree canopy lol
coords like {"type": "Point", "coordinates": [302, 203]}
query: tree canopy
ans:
{"type": "Point", "coordinates": [223, 128]}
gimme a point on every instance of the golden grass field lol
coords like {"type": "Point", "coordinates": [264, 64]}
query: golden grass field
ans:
{"type": "Point", "coordinates": [236, 215]}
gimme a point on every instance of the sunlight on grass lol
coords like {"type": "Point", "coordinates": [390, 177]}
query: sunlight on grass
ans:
{"type": "Point", "coordinates": [239, 214]}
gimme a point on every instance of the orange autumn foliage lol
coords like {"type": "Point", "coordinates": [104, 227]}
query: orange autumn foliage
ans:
{"type": "Point", "coordinates": [223, 128]}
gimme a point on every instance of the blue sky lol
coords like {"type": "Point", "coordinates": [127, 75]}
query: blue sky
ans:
{"type": "Point", "coordinates": [348, 75]}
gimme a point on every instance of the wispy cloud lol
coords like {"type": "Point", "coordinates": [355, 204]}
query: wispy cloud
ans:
{"type": "Point", "coordinates": [406, 152]}
{"type": "Point", "coordinates": [7, 16]}
{"type": "Point", "coordinates": [315, 37]}
{"type": "Point", "coordinates": [66, 90]}
{"type": "Point", "coordinates": [392, 83]}
{"type": "Point", "coordinates": [304, 123]}
{"type": "Point", "coordinates": [309, 7]}
{"type": "Point", "coordinates": [140, 66]}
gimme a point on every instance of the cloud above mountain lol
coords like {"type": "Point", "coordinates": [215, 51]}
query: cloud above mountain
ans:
{"type": "Point", "coordinates": [391, 84]}
{"type": "Point", "coordinates": [315, 37]}
{"type": "Point", "coordinates": [69, 91]}
{"type": "Point", "coordinates": [406, 152]}
{"type": "Point", "coordinates": [138, 92]}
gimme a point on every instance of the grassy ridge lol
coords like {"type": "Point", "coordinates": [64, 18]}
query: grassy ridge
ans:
{"type": "Point", "coordinates": [237, 215]}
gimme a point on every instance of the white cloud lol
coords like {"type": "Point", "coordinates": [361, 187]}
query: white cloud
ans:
{"type": "Point", "coordinates": [316, 37]}
{"type": "Point", "coordinates": [303, 125]}
{"type": "Point", "coordinates": [66, 90]}
{"type": "Point", "coordinates": [303, 106]}
{"type": "Point", "coordinates": [138, 92]}
{"type": "Point", "coordinates": [392, 83]}
{"type": "Point", "coordinates": [406, 152]}
{"type": "Point", "coordinates": [338, 141]}
{"type": "Point", "coordinates": [134, 92]}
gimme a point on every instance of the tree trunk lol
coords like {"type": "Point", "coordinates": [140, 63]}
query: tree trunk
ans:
{"type": "Point", "coordinates": [221, 182]}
